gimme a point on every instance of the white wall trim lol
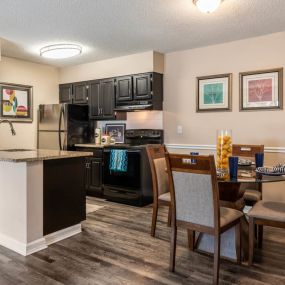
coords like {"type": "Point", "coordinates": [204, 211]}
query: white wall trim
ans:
{"type": "Point", "coordinates": [35, 246]}
{"type": "Point", "coordinates": [63, 234]}
{"type": "Point", "coordinates": [269, 149]}
{"type": "Point", "coordinates": [22, 248]}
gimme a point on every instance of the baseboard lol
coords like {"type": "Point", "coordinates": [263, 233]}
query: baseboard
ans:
{"type": "Point", "coordinates": [36, 245]}
{"type": "Point", "coordinates": [21, 247]}
{"type": "Point", "coordinates": [62, 234]}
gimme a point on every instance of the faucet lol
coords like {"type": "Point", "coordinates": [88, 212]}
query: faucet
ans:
{"type": "Point", "coordinates": [11, 126]}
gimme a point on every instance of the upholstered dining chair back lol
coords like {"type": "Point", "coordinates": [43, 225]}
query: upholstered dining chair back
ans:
{"type": "Point", "coordinates": [156, 156]}
{"type": "Point", "coordinates": [194, 189]}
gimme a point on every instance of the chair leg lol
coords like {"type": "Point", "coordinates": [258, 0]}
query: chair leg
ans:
{"type": "Point", "coordinates": [169, 217]}
{"type": "Point", "coordinates": [191, 239]}
{"type": "Point", "coordinates": [154, 218]}
{"type": "Point", "coordinates": [260, 235]}
{"type": "Point", "coordinates": [238, 242]}
{"type": "Point", "coordinates": [250, 241]}
{"type": "Point", "coordinates": [217, 259]}
{"type": "Point", "coordinates": [173, 248]}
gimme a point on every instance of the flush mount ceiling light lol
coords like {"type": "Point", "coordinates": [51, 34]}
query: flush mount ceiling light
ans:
{"type": "Point", "coordinates": [207, 6]}
{"type": "Point", "coordinates": [60, 51]}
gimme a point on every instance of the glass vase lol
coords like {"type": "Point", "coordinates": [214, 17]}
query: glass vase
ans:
{"type": "Point", "coordinates": [224, 150]}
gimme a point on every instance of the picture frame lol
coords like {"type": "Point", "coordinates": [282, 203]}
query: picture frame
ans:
{"type": "Point", "coordinates": [214, 93]}
{"type": "Point", "coordinates": [116, 131]}
{"type": "Point", "coordinates": [261, 90]}
{"type": "Point", "coordinates": [16, 102]}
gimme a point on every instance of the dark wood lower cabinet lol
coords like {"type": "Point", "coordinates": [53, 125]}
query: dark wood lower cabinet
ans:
{"type": "Point", "coordinates": [64, 194]}
{"type": "Point", "coordinates": [94, 176]}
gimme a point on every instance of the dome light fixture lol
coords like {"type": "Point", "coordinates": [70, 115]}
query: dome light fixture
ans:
{"type": "Point", "coordinates": [207, 6]}
{"type": "Point", "coordinates": [60, 51]}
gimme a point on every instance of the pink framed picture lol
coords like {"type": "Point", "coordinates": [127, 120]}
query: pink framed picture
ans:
{"type": "Point", "coordinates": [261, 90]}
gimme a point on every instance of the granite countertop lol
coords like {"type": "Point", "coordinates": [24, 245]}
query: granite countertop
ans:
{"type": "Point", "coordinates": [38, 155]}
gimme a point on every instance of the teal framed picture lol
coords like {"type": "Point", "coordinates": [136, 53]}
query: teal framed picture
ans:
{"type": "Point", "coordinates": [214, 93]}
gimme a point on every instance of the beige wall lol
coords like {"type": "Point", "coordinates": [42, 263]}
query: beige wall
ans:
{"type": "Point", "coordinates": [44, 80]}
{"type": "Point", "coordinates": [181, 70]}
{"type": "Point", "coordinates": [131, 64]}
{"type": "Point", "coordinates": [262, 127]}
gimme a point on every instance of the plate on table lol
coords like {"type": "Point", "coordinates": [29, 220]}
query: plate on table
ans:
{"type": "Point", "coordinates": [269, 171]}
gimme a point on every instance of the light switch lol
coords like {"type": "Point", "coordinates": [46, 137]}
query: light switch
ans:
{"type": "Point", "coordinates": [179, 130]}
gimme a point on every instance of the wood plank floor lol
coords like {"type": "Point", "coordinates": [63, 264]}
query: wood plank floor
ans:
{"type": "Point", "coordinates": [115, 247]}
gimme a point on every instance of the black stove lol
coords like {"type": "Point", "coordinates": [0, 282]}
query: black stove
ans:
{"type": "Point", "coordinates": [135, 185]}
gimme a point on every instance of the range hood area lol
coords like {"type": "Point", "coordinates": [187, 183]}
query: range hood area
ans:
{"type": "Point", "coordinates": [139, 92]}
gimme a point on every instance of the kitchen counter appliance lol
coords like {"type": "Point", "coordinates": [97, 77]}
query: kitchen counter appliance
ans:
{"type": "Point", "coordinates": [135, 185]}
{"type": "Point", "coordinates": [61, 126]}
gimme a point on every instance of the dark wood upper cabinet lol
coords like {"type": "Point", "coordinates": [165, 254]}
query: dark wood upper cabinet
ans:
{"type": "Point", "coordinates": [94, 99]}
{"type": "Point", "coordinates": [142, 86]}
{"type": "Point", "coordinates": [102, 99]}
{"type": "Point", "coordinates": [65, 93]}
{"type": "Point", "coordinates": [80, 93]}
{"type": "Point", "coordinates": [124, 88]}
{"type": "Point", "coordinates": [107, 98]}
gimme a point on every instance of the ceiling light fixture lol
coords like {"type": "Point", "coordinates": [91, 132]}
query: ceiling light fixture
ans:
{"type": "Point", "coordinates": [207, 6]}
{"type": "Point", "coordinates": [60, 51]}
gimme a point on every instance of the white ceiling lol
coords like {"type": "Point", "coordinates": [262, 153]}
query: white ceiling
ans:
{"type": "Point", "coordinates": [111, 28]}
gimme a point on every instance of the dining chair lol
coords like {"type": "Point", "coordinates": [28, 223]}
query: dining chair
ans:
{"type": "Point", "coordinates": [195, 203]}
{"type": "Point", "coordinates": [160, 185]}
{"type": "Point", "coordinates": [253, 191]}
{"type": "Point", "coordinates": [264, 213]}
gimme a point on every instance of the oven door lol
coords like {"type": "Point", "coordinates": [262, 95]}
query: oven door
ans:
{"type": "Point", "coordinates": [129, 180]}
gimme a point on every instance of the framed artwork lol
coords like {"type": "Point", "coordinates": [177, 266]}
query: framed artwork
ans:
{"type": "Point", "coordinates": [16, 102]}
{"type": "Point", "coordinates": [116, 131]}
{"type": "Point", "coordinates": [261, 90]}
{"type": "Point", "coordinates": [214, 93]}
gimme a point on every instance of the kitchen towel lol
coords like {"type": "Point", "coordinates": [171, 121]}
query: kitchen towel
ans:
{"type": "Point", "coordinates": [118, 160]}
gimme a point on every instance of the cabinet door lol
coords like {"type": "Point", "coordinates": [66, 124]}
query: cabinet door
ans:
{"type": "Point", "coordinates": [142, 86]}
{"type": "Point", "coordinates": [65, 93]}
{"type": "Point", "coordinates": [80, 93]}
{"type": "Point", "coordinates": [124, 89]}
{"type": "Point", "coordinates": [107, 98]}
{"type": "Point", "coordinates": [95, 180]}
{"type": "Point", "coordinates": [94, 100]}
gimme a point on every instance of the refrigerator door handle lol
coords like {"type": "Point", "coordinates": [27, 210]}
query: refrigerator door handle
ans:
{"type": "Point", "coordinates": [59, 127]}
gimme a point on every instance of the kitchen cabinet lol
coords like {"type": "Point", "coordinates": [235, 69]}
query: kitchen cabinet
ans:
{"type": "Point", "coordinates": [80, 93]}
{"type": "Point", "coordinates": [102, 99]}
{"type": "Point", "coordinates": [139, 92]}
{"type": "Point", "coordinates": [93, 171]}
{"type": "Point", "coordinates": [65, 93]}
{"type": "Point", "coordinates": [124, 88]}
{"type": "Point", "coordinates": [94, 176]}
{"type": "Point", "coordinates": [74, 93]}
{"type": "Point", "coordinates": [142, 86]}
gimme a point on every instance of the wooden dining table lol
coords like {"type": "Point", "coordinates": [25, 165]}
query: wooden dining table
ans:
{"type": "Point", "coordinates": [232, 196]}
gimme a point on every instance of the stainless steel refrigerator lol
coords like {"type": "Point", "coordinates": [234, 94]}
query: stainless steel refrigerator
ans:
{"type": "Point", "coordinates": [61, 126]}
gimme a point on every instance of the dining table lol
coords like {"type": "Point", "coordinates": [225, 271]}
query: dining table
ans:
{"type": "Point", "coordinates": [231, 194]}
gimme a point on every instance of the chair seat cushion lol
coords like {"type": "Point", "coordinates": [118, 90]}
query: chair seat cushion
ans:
{"type": "Point", "coordinates": [268, 210]}
{"type": "Point", "coordinates": [164, 197]}
{"type": "Point", "coordinates": [228, 215]}
{"type": "Point", "coordinates": [252, 195]}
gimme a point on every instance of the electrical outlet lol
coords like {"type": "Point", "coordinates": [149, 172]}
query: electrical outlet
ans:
{"type": "Point", "coordinates": [179, 130]}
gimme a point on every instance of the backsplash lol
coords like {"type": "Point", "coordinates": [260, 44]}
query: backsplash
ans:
{"type": "Point", "coordinates": [139, 120]}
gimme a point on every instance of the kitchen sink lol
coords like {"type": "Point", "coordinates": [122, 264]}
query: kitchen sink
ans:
{"type": "Point", "coordinates": [15, 150]}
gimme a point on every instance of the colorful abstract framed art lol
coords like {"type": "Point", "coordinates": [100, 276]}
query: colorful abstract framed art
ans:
{"type": "Point", "coordinates": [261, 90]}
{"type": "Point", "coordinates": [214, 93]}
{"type": "Point", "coordinates": [16, 102]}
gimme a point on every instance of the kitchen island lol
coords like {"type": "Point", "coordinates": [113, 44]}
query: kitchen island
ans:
{"type": "Point", "coordinates": [42, 197]}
